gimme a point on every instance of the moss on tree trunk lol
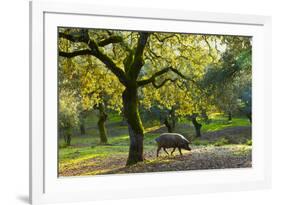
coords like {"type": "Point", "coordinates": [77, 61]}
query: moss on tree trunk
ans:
{"type": "Point", "coordinates": [168, 125]}
{"type": "Point", "coordinates": [170, 120]}
{"type": "Point", "coordinates": [82, 117]}
{"type": "Point", "coordinates": [229, 116]}
{"type": "Point", "coordinates": [136, 132]}
{"type": "Point", "coordinates": [67, 139]}
{"type": "Point", "coordinates": [101, 123]}
{"type": "Point", "coordinates": [82, 129]}
{"type": "Point", "coordinates": [197, 125]}
{"type": "Point", "coordinates": [205, 116]}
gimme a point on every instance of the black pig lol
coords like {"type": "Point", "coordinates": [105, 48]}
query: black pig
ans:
{"type": "Point", "coordinates": [172, 140]}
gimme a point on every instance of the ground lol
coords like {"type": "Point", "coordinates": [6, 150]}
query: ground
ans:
{"type": "Point", "coordinates": [225, 145]}
{"type": "Point", "coordinates": [201, 157]}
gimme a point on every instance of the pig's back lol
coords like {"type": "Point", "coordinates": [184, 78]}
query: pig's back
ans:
{"type": "Point", "coordinates": [168, 140]}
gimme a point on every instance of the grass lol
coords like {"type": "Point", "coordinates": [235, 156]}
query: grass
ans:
{"type": "Point", "coordinates": [200, 142]}
{"type": "Point", "coordinates": [118, 133]}
{"type": "Point", "coordinates": [74, 155]}
{"type": "Point", "coordinates": [86, 148]}
{"type": "Point", "coordinates": [219, 122]}
{"type": "Point", "coordinates": [221, 142]}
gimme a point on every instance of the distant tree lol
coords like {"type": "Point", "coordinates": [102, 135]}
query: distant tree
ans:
{"type": "Point", "coordinates": [226, 99]}
{"type": "Point", "coordinates": [82, 117]}
{"type": "Point", "coordinates": [195, 105]}
{"type": "Point", "coordinates": [230, 76]}
{"type": "Point", "coordinates": [245, 105]}
{"type": "Point", "coordinates": [170, 119]}
{"type": "Point", "coordinates": [96, 89]}
{"type": "Point", "coordinates": [68, 114]}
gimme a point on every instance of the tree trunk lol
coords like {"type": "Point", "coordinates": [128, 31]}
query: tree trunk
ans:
{"type": "Point", "coordinates": [171, 117]}
{"type": "Point", "coordinates": [249, 116]}
{"type": "Point", "coordinates": [101, 123]}
{"type": "Point", "coordinates": [167, 124]}
{"type": "Point", "coordinates": [229, 116]}
{"type": "Point", "coordinates": [136, 133]}
{"type": "Point", "coordinates": [67, 139]}
{"type": "Point", "coordinates": [197, 125]}
{"type": "Point", "coordinates": [205, 117]}
{"type": "Point", "coordinates": [82, 117]}
{"type": "Point", "coordinates": [82, 128]}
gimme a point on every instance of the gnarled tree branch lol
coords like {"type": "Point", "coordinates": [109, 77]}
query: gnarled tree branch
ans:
{"type": "Point", "coordinates": [163, 83]}
{"type": "Point", "coordinates": [94, 51]}
{"type": "Point", "coordinates": [111, 39]}
{"type": "Point", "coordinates": [75, 53]}
{"type": "Point", "coordinates": [138, 61]}
{"type": "Point", "coordinates": [71, 37]}
{"type": "Point", "coordinates": [182, 75]}
{"type": "Point", "coordinates": [209, 46]}
{"type": "Point", "coordinates": [82, 39]}
{"type": "Point", "coordinates": [152, 79]}
{"type": "Point", "coordinates": [164, 38]}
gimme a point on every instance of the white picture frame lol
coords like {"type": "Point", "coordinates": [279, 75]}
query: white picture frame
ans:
{"type": "Point", "coordinates": [46, 187]}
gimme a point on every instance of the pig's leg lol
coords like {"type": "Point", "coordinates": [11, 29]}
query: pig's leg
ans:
{"type": "Point", "coordinates": [158, 149]}
{"type": "Point", "coordinates": [173, 151]}
{"type": "Point", "coordinates": [180, 150]}
{"type": "Point", "coordinates": [166, 151]}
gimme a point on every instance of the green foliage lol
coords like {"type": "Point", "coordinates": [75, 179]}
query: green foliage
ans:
{"type": "Point", "coordinates": [68, 114]}
{"type": "Point", "coordinates": [192, 55]}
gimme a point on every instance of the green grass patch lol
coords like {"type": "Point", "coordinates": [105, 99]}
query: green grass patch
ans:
{"type": "Point", "coordinates": [217, 121]}
{"type": "Point", "coordinates": [220, 122]}
{"type": "Point", "coordinates": [89, 147]}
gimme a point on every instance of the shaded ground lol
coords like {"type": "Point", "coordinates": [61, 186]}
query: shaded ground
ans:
{"type": "Point", "coordinates": [235, 135]}
{"type": "Point", "coordinates": [201, 157]}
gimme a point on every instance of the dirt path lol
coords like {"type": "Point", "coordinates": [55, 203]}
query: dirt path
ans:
{"type": "Point", "coordinates": [201, 157]}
